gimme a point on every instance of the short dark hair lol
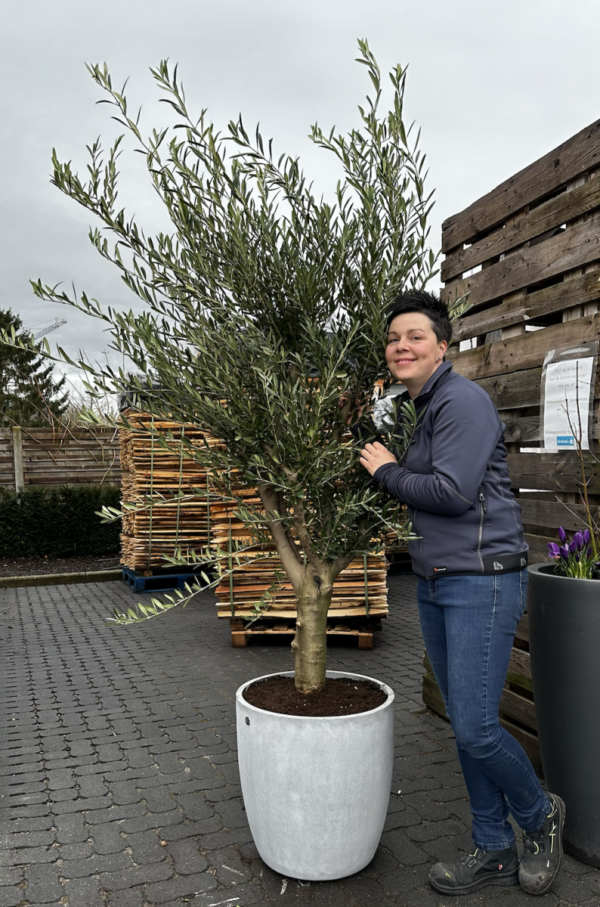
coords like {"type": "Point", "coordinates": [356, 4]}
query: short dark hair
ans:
{"type": "Point", "coordinates": [427, 303]}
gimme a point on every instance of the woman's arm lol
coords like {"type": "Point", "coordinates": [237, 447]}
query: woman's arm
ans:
{"type": "Point", "coordinates": [461, 451]}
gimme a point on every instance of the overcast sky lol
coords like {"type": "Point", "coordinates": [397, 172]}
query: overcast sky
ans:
{"type": "Point", "coordinates": [493, 86]}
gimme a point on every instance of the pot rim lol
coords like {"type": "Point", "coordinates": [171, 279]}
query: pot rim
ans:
{"type": "Point", "coordinates": [349, 674]}
{"type": "Point", "coordinates": [545, 569]}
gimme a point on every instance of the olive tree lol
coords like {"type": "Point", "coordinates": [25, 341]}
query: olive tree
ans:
{"type": "Point", "coordinates": [264, 316]}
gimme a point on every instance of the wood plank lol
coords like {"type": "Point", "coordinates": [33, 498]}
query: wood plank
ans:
{"type": "Point", "coordinates": [527, 226]}
{"type": "Point", "coordinates": [523, 352]}
{"type": "Point", "coordinates": [531, 265]}
{"type": "Point", "coordinates": [579, 153]}
{"type": "Point", "coordinates": [528, 429]}
{"type": "Point", "coordinates": [519, 708]}
{"type": "Point", "coordinates": [538, 547]}
{"type": "Point", "coordinates": [515, 390]}
{"type": "Point", "coordinates": [549, 471]}
{"type": "Point", "coordinates": [569, 293]}
{"type": "Point", "coordinates": [550, 514]}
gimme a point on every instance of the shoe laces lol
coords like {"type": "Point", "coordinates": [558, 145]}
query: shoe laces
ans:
{"type": "Point", "coordinates": [537, 841]}
{"type": "Point", "coordinates": [475, 856]}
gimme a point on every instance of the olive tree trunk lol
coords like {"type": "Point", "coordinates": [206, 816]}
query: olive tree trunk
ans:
{"type": "Point", "coordinates": [310, 643]}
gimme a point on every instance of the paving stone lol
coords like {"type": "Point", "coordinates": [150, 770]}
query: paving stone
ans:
{"type": "Point", "coordinates": [124, 792]}
{"type": "Point", "coordinates": [10, 897]}
{"type": "Point", "coordinates": [83, 893]}
{"type": "Point", "coordinates": [42, 884]}
{"type": "Point", "coordinates": [82, 804]}
{"type": "Point", "coordinates": [232, 813]}
{"type": "Point", "coordinates": [191, 829]}
{"type": "Point", "coordinates": [31, 839]}
{"type": "Point", "coordinates": [76, 851]}
{"type": "Point", "coordinates": [115, 813]}
{"type": "Point", "coordinates": [130, 898]}
{"type": "Point", "coordinates": [180, 888]}
{"type": "Point", "coordinates": [187, 857]}
{"type": "Point", "coordinates": [244, 895]}
{"type": "Point", "coordinates": [80, 869]}
{"type": "Point", "coordinates": [11, 875]}
{"type": "Point", "coordinates": [107, 838]}
{"type": "Point", "coordinates": [159, 800]}
{"type": "Point", "coordinates": [195, 806]}
{"type": "Point", "coordinates": [229, 867]}
{"type": "Point", "coordinates": [402, 849]}
{"type": "Point", "coordinates": [142, 875]}
{"type": "Point", "coordinates": [146, 847]}
{"type": "Point", "coordinates": [93, 786]}
{"type": "Point", "coordinates": [152, 820]}
{"type": "Point", "coordinates": [427, 831]}
{"type": "Point", "coordinates": [70, 828]}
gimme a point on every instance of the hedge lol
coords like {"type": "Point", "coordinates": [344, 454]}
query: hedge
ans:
{"type": "Point", "coordinates": [58, 521]}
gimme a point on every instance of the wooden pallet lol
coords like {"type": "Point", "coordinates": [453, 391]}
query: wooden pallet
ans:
{"type": "Point", "coordinates": [517, 711]}
{"type": "Point", "coordinates": [242, 633]}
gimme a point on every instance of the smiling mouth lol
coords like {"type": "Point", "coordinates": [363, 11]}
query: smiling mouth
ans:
{"type": "Point", "coordinates": [404, 361]}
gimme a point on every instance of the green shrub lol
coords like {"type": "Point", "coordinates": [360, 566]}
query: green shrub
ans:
{"type": "Point", "coordinates": [58, 521]}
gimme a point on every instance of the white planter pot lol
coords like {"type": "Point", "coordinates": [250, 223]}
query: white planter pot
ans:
{"type": "Point", "coordinates": [316, 790]}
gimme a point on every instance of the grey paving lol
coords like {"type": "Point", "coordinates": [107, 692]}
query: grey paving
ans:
{"type": "Point", "coordinates": [118, 776]}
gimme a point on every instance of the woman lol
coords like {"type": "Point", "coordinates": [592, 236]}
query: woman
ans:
{"type": "Point", "coordinates": [470, 558]}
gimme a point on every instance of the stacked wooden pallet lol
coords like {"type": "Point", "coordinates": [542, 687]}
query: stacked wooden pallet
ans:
{"type": "Point", "coordinates": [156, 475]}
{"type": "Point", "coordinates": [359, 594]}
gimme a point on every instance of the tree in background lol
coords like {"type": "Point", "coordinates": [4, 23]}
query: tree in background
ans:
{"type": "Point", "coordinates": [264, 318]}
{"type": "Point", "coordinates": [29, 394]}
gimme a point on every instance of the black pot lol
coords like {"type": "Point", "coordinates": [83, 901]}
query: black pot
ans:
{"type": "Point", "coordinates": [564, 634]}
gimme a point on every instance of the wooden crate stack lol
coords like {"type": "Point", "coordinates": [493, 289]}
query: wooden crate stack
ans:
{"type": "Point", "coordinates": [528, 253]}
{"type": "Point", "coordinates": [359, 593]}
{"type": "Point", "coordinates": [151, 471]}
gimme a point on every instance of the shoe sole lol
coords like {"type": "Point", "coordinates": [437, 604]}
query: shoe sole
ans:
{"type": "Point", "coordinates": [547, 886]}
{"type": "Point", "coordinates": [503, 880]}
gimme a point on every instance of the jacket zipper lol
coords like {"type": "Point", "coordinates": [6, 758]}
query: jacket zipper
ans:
{"type": "Point", "coordinates": [482, 513]}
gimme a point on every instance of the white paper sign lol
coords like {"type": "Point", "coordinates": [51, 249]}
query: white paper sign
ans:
{"type": "Point", "coordinates": [566, 382]}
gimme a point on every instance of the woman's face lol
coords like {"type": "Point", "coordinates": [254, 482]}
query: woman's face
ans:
{"type": "Point", "coordinates": [413, 352]}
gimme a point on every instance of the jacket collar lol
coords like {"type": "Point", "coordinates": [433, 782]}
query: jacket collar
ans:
{"type": "Point", "coordinates": [440, 374]}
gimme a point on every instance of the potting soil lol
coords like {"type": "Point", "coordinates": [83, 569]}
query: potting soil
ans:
{"type": "Point", "coordinates": [341, 696]}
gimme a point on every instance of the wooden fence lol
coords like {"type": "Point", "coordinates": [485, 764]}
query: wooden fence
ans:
{"type": "Point", "coordinates": [62, 456]}
{"type": "Point", "coordinates": [528, 254]}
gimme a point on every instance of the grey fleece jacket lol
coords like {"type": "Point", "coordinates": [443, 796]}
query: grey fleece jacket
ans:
{"type": "Point", "coordinates": [454, 479]}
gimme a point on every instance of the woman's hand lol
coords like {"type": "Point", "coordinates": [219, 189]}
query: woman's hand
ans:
{"type": "Point", "coordinates": [375, 455]}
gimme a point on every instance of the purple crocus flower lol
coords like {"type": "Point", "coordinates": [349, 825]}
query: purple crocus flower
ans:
{"type": "Point", "coordinates": [578, 540]}
{"type": "Point", "coordinates": [562, 535]}
{"type": "Point", "coordinates": [586, 536]}
{"type": "Point", "coordinates": [553, 549]}
{"type": "Point", "coordinates": [589, 551]}
{"type": "Point", "coordinates": [573, 546]}
{"type": "Point", "coordinates": [564, 552]}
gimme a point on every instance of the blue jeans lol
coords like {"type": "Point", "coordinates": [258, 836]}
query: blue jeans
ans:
{"type": "Point", "coordinates": [468, 624]}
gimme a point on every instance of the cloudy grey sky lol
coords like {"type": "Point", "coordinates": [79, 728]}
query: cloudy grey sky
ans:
{"type": "Point", "coordinates": [493, 85]}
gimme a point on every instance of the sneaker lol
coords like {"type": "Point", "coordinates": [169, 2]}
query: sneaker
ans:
{"type": "Point", "coordinates": [542, 851]}
{"type": "Point", "coordinates": [476, 869]}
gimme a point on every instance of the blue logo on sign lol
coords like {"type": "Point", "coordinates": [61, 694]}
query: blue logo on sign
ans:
{"type": "Point", "coordinates": [565, 441]}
